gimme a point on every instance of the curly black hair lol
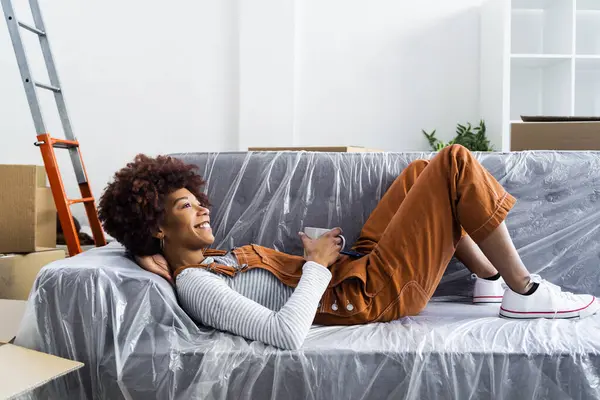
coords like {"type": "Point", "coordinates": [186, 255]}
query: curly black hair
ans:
{"type": "Point", "coordinates": [132, 205]}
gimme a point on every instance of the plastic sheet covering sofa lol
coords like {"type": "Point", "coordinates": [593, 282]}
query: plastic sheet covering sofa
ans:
{"type": "Point", "coordinates": [137, 343]}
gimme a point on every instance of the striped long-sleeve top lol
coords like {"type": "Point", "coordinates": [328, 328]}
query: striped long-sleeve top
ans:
{"type": "Point", "coordinates": [254, 304]}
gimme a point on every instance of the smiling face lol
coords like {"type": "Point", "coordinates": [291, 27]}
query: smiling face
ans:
{"type": "Point", "coordinates": [187, 222]}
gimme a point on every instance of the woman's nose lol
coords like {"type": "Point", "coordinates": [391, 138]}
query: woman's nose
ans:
{"type": "Point", "coordinates": [203, 211]}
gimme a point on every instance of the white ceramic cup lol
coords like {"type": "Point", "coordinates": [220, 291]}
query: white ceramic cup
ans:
{"type": "Point", "coordinates": [315, 233]}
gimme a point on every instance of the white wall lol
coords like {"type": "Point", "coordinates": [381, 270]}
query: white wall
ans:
{"type": "Point", "coordinates": [376, 73]}
{"type": "Point", "coordinates": [138, 76]}
{"type": "Point", "coordinates": [228, 74]}
{"type": "Point", "coordinates": [267, 54]}
{"type": "Point", "coordinates": [350, 72]}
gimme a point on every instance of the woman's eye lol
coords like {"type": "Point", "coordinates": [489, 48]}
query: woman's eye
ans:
{"type": "Point", "coordinates": [186, 205]}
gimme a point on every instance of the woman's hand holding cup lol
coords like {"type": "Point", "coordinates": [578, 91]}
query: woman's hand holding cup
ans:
{"type": "Point", "coordinates": [322, 246]}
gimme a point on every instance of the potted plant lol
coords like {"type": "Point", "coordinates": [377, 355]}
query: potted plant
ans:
{"type": "Point", "coordinates": [473, 138]}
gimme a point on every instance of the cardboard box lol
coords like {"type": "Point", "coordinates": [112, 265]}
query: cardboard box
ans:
{"type": "Point", "coordinates": [27, 210]}
{"type": "Point", "coordinates": [21, 369]}
{"type": "Point", "coordinates": [329, 149]}
{"type": "Point", "coordinates": [18, 272]}
{"type": "Point", "coordinates": [555, 136]}
{"type": "Point", "coordinates": [11, 314]}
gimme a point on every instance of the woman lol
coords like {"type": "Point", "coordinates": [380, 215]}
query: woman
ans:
{"type": "Point", "coordinates": [435, 209]}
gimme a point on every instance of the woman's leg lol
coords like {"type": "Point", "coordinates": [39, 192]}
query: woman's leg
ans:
{"type": "Point", "coordinates": [380, 217]}
{"type": "Point", "coordinates": [501, 252]}
{"type": "Point", "coordinates": [500, 249]}
{"type": "Point", "coordinates": [454, 192]}
{"type": "Point", "coordinates": [467, 251]}
{"type": "Point", "coordinates": [473, 258]}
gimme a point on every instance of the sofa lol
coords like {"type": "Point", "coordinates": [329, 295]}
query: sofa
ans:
{"type": "Point", "coordinates": [125, 323]}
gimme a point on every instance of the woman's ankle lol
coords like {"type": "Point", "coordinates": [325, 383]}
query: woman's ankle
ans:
{"type": "Point", "coordinates": [493, 277]}
{"type": "Point", "coordinates": [530, 288]}
{"type": "Point", "coordinates": [526, 288]}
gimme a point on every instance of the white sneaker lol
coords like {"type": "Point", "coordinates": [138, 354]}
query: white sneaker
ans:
{"type": "Point", "coordinates": [486, 291]}
{"type": "Point", "coordinates": [548, 301]}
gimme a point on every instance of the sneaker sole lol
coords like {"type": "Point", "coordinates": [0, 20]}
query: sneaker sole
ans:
{"type": "Point", "coordinates": [592, 308]}
{"type": "Point", "coordinates": [487, 299]}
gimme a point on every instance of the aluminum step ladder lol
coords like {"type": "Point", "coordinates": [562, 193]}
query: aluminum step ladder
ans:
{"type": "Point", "coordinates": [45, 142]}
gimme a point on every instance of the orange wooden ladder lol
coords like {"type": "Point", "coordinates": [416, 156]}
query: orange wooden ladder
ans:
{"type": "Point", "coordinates": [46, 143]}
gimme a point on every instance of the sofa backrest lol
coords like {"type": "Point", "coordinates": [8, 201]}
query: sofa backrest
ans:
{"type": "Point", "coordinates": [267, 197]}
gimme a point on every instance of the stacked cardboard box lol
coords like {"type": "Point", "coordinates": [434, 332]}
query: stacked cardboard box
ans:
{"type": "Point", "coordinates": [27, 244]}
{"type": "Point", "coordinates": [556, 135]}
{"type": "Point", "coordinates": [18, 272]}
{"type": "Point", "coordinates": [27, 228]}
{"type": "Point", "coordinates": [27, 211]}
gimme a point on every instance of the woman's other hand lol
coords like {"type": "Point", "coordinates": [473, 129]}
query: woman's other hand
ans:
{"type": "Point", "coordinates": [324, 250]}
{"type": "Point", "coordinates": [156, 264]}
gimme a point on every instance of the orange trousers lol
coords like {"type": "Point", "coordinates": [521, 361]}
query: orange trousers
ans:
{"type": "Point", "coordinates": [412, 235]}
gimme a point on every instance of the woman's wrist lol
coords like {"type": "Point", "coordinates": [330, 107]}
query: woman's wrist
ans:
{"type": "Point", "coordinates": [317, 260]}
{"type": "Point", "coordinates": [317, 268]}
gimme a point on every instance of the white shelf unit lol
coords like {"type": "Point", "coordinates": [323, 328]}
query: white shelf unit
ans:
{"type": "Point", "coordinates": [538, 57]}
{"type": "Point", "coordinates": [587, 86]}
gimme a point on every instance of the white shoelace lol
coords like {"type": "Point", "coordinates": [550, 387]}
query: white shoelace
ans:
{"type": "Point", "coordinates": [556, 292]}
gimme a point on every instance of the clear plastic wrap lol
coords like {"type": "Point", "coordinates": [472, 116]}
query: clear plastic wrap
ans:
{"type": "Point", "coordinates": [137, 343]}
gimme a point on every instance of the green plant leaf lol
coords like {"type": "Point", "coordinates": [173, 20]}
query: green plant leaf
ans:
{"type": "Point", "coordinates": [433, 141]}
